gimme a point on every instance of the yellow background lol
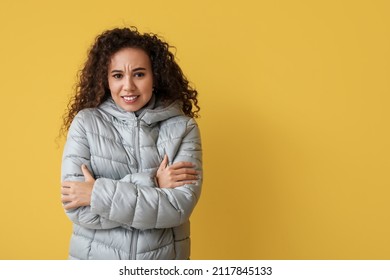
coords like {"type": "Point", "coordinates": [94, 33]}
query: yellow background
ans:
{"type": "Point", "coordinates": [295, 121]}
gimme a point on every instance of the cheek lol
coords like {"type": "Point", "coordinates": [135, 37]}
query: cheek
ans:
{"type": "Point", "coordinates": [149, 84]}
{"type": "Point", "coordinates": [112, 86]}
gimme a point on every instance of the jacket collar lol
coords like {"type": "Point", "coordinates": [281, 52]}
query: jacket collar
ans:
{"type": "Point", "coordinates": [153, 112]}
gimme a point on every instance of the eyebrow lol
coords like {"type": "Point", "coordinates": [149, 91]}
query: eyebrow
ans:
{"type": "Point", "coordinates": [134, 70]}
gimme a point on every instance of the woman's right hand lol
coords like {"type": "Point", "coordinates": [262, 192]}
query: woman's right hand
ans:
{"type": "Point", "coordinates": [176, 175]}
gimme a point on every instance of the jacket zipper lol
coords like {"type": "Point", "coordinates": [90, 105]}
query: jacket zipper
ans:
{"type": "Point", "coordinates": [134, 238]}
{"type": "Point", "coordinates": [133, 246]}
{"type": "Point", "coordinates": [136, 145]}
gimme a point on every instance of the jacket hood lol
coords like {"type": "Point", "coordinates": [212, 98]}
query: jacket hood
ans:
{"type": "Point", "coordinates": [153, 112]}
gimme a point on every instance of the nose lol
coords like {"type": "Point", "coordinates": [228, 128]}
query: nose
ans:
{"type": "Point", "coordinates": [129, 84]}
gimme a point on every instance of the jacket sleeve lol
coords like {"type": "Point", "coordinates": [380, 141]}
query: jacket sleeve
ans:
{"type": "Point", "coordinates": [76, 153]}
{"type": "Point", "coordinates": [138, 203]}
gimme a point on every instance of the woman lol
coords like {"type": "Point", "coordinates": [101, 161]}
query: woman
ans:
{"type": "Point", "coordinates": [132, 161]}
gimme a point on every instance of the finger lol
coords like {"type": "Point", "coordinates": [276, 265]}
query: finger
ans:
{"type": "Point", "coordinates": [65, 198]}
{"type": "Point", "coordinates": [164, 163]}
{"type": "Point", "coordinates": [65, 190]}
{"type": "Point", "coordinates": [69, 205]}
{"type": "Point", "coordinates": [187, 177]}
{"type": "Point", "coordinates": [67, 184]}
{"type": "Point", "coordinates": [189, 171]}
{"type": "Point", "coordinates": [87, 174]}
{"type": "Point", "coordinates": [182, 164]}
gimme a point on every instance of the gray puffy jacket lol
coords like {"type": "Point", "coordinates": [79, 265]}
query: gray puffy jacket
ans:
{"type": "Point", "coordinates": [129, 217]}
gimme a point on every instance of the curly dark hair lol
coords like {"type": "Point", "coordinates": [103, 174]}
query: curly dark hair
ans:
{"type": "Point", "coordinates": [169, 81]}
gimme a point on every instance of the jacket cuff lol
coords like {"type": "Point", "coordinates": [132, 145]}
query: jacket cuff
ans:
{"type": "Point", "coordinates": [102, 196]}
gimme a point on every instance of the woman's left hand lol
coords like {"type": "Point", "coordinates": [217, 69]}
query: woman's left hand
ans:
{"type": "Point", "coordinates": [76, 194]}
{"type": "Point", "coordinates": [176, 175]}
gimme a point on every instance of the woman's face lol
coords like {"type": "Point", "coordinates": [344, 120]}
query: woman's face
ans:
{"type": "Point", "coordinates": [130, 79]}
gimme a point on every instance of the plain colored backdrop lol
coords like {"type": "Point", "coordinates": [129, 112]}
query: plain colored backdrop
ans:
{"type": "Point", "coordinates": [295, 118]}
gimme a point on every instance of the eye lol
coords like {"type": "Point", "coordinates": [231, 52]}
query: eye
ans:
{"type": "Point", "coordinates": [139, 74]}
{"type": "Point", "coordinates": [117, 76]}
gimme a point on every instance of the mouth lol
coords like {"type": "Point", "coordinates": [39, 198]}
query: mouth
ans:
{"type": "Point", "coordinates": [129, 99]}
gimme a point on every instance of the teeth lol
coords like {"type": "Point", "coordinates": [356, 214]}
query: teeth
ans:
{"type": "Point", "coordinates": [129, 98]}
